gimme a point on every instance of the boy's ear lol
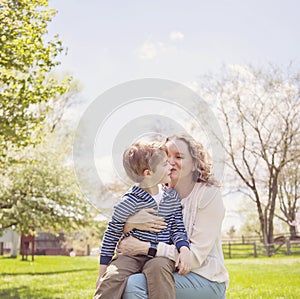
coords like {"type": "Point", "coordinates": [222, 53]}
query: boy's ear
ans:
{"type": "Point", "coordinates": [146, 172]}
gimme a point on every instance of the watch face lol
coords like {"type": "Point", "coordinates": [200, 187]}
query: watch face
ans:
{"type": "Point", "coordinates": [152, 251]}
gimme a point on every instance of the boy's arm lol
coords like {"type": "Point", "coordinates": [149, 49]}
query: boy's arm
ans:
{"type": "Point", "coordinates": [115, 228]}
{"type": "Point", "coordinates": [178, 232]}
{"type": "Point", "coordinates": [180, 239]}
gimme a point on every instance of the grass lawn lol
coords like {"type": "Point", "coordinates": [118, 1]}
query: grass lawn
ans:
{"type": "Point", "coordinates": [264, 278]}
{"type": "Point", "coordinates": [48, 277]}
{"type": "Point", "coordinates": [66, 277]}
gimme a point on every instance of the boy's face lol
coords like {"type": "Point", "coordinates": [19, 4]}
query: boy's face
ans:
{"type": "Point", "coordinates": [162, 172]}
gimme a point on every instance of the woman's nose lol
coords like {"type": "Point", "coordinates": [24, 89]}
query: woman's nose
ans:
{"type": "Point", "coordinates": [171, 161]}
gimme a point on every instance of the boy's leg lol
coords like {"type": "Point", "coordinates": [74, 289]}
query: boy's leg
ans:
{"type": "Point", "coordinates": [160, 279]}
{"type": "Point", "coordinates": [113, 282]}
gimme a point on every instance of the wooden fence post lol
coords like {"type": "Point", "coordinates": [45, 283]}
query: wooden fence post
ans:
{"type": "Point", "coordinates": [254, 249]}
{"type": "Point", "coordinates": [229, 250]}
{"type": "Point", "coordinates": [288, 246]}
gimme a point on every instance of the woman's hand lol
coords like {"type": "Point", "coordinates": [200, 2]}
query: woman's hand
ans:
{"type": "Point", "coordinates": [145, 220]}
{"type": "Point", "coordinates": [183, 262]}
{"type": "Point", "coordinates": [132, 246]}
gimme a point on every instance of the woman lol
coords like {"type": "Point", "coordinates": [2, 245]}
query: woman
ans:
{"type": "Point", "coordinates": [203, 213]}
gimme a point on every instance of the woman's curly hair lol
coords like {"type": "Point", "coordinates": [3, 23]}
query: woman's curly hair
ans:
{"type": "Point", "coordinates": [200, 157]}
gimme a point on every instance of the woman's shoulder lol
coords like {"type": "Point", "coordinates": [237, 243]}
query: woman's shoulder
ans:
{"type": "Point", "coordinates": [205, 193]}
{"type": "Point", "coordinates": [206, 188]}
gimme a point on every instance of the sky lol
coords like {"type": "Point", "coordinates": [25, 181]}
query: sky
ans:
{"type": "Point", "coordinates": [111, 42]}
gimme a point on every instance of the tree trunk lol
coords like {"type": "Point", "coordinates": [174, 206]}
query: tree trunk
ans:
{"type": "Point", "coordinates": [293, 232]}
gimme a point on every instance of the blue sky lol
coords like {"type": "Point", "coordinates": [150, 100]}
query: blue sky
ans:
{"type": "Point", "coordinates": [110, 42]}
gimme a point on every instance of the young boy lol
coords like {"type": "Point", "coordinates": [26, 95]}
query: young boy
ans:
{"type": "Point", "coordinates": [147, 165]}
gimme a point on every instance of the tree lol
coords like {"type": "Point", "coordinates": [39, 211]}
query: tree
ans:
{"type": "Point", "coordinates": [231, 232]}
{"type": "Point", "coordinates": [260, 109]}
{"type": "Point", "coordinates": [289, 195]}
{"type": "Point", "coordinates": [27, 58]}
{"type": "Point", "coordinates": [41, 190]}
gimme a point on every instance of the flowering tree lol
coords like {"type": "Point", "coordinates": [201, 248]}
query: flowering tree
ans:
{"type": "Point", "coordinates": [37, 185]}
{"type": "Point", "coordinates": [260, 111]}
{"type": "Point", "coordinates": [40, 190]}
{"type": "Point", "coordinates": [289, 196]}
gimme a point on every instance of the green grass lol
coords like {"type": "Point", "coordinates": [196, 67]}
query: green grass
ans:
{"type": "Point", "coordinates": [64, 277]}
{"type": "Point", "coordinates": [264, 278]}
{"type": "Point", "coordinates": [48, 277]}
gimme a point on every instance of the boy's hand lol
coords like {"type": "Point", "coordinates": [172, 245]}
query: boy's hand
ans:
{"type": "Point", "coordinates": [183, 262]}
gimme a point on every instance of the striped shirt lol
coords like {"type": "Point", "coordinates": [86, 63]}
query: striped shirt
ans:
{"type": "Point", "coordinates": [135, 200]}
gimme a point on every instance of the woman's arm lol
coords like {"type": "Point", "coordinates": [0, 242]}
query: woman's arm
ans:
{"type": "Point", "coordinates": [145, 220]}
{"type": "Point", "coordinates": [133, 246]}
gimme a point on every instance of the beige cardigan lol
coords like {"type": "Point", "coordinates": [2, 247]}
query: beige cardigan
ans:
{"type": "Point", "coordinates": [203, 213]}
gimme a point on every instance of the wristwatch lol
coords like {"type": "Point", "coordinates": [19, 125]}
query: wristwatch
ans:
{"type": "Point", "coordinates": [152, 250]}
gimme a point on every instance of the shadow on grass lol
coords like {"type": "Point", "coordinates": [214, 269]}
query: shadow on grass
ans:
{"type": "Point", "coordinates": [46, 273]}
{"type": "Point", "coordinates": [21, 293]}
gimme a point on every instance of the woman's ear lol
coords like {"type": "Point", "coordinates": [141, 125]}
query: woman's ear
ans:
{"type": "Point", "coordinates": [146, 172]}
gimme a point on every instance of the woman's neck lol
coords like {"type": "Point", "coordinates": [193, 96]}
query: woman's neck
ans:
{"type": "Point", "coordinates": [184, 187]}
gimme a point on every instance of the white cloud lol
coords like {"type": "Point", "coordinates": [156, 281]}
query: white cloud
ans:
{"type": "Point", "coordinates": [148, 51]}
{"type": "Point", "coordinates": [176, 36]}
{"type": "Point", "coordinates": [151, 50]}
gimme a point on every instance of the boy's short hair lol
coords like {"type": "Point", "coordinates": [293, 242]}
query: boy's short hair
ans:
{"type": "Point", "coordinates": [141, 156]}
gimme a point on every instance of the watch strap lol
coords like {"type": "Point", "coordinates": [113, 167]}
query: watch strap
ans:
{"type": "Point", "coordinates": [152, 250]}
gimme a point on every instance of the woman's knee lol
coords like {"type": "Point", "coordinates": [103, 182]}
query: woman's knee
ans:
{"type": "Point", "coordinates": [194, 286]}
{"type": "Point", "coordinates": [136, 287]}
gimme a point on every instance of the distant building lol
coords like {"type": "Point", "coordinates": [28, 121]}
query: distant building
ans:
{"type": "Point", "coordinates": [9, 243]}
{"type": "Point", "coordinates": [45, 244]}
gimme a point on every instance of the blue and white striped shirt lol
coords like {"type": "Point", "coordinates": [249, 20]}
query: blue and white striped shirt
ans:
{"type": "Point", "coordinates": [135, 200]}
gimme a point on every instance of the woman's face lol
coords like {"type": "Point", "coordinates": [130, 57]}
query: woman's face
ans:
{"type": "Point", "coordinates": [182, 164]}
